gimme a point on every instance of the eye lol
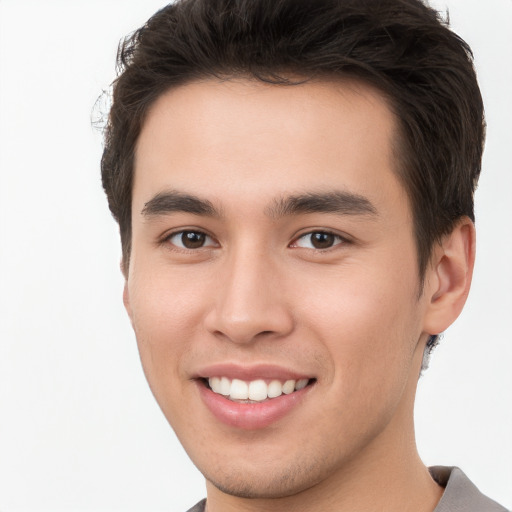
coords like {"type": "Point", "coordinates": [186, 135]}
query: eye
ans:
{"type": "Point", "coordinates": [318, 240]}
{"type": "Point", "coordinates": [191, 240]}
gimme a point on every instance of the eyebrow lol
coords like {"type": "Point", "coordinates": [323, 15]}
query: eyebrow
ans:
{"type": "Point", "coordinates": [338, 202]}
{"type": "Point", "coordinates": [174, 201]}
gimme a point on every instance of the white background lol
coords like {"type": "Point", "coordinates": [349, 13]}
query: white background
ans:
{"type": "Point", "coordinates": [79, 429]}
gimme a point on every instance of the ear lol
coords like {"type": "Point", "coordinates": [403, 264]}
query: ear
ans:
{"type": "Point", "coordinates": [449, 276]}
{"type": "Point", "coordinates": [126, 299]}
{"type": "Point", "coordinates": [126, 293]}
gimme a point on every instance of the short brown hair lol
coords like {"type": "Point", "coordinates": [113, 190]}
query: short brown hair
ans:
{"type": "Point", "coordinates": [401, 47]}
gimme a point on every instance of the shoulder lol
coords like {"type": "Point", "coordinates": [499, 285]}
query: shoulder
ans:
{"type": "Point", "coordinates": [460, 493]}
{"type": "Point", "coordinates": [198, 507]}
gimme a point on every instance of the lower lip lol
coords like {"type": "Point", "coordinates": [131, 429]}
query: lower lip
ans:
{"type": "Point", "coordinates": [250, 416]}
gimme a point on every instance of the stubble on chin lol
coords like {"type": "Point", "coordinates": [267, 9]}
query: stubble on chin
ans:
{"type": "Point", "coordinates": [267, 483]}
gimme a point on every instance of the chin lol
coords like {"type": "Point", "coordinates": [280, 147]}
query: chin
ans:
{"type": "Point", "coordinates": [265, 483]}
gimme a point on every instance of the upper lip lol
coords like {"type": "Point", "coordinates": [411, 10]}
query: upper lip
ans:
{"type": "Point", "coordinates": [250, 372]}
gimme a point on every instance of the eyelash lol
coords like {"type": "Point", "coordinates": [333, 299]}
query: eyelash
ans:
{"type": "Point", "coordinates": [182, 233]}
{"type": "Point", "coordinates": [336, 240]}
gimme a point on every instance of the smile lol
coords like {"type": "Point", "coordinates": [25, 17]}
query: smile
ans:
{"type": "Point", "coordinates": [252, 397]}
{"type": "Point", "coordinates": [253, 391]}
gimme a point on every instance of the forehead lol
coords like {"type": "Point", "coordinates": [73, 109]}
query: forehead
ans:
{"type": "Point", "coordinates": [224, 139]}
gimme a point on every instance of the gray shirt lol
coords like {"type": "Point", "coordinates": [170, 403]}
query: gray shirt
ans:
{"type": "Point", "coordinates": [460, 495]}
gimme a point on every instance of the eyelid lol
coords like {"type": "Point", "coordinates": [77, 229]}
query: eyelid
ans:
{"type": "Point", "coordinates": [343, 239]}
{"type": "Point", "coordinates": [166, 239]}
{"type": "Point", "coordinates": [212, 242]}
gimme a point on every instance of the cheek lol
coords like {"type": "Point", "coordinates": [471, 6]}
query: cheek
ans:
{"type": "Point", "coordinates": [361, 298]}
{"type": "Point", "coordinates": [369, 323]}
{"type": "Point", "coordinates": [165, 316]}
{"type": "Point", "coordinates": [164, 303]}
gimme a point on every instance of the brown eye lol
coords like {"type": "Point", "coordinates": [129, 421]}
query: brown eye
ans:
{"type": "Point", "coordinates": [318, 240]}
{"type": "Point", "coordinates": [191, 240]}
{"type": "Point", "coordinates": [322, 240]}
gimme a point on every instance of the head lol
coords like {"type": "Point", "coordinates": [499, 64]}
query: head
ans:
{"type": "Point", "coordinates": [294, 187]}
{"type": "Point", "coordinates": [400, 47]}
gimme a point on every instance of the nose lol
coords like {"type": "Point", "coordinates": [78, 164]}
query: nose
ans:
{"type": "Point", "coordinates": [251, 301]}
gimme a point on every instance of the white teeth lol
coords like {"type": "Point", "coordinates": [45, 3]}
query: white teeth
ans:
{"type": "Point", "coordinates": [215, 384]}
{"type": "Point", "coordinates": [289, 387]}
{"type": "Point", "coordinates": [275, 389]}
{"type": "Point", "coordinates": [301, 384]}
{"type": "Point", "coordinates": [256, 390]}
{"type": "Point", "coordinates": [225, 386]}
{"type": "Point", "coordinates": [239, 390]}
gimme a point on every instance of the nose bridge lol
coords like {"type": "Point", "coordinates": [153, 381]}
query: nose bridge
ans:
{"type": "Point", "coordinates": [250, 301]}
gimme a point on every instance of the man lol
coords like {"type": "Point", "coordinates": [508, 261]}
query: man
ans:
{"type": "Point", "coordinates": [294, 187]}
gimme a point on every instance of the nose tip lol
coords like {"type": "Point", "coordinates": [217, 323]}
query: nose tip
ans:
{"type": "Point", "coordinates": [248, 307]}
{"type": "Point", "coordinates": [243, 330]}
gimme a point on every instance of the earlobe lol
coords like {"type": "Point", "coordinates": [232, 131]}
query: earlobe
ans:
{"type": "Point", "coordinates": [450, 277]}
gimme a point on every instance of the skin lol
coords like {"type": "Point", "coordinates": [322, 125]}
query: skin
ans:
{"type": "Point", "coordinates": [258, 292]}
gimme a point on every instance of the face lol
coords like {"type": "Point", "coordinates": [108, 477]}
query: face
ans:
{"type": "Point", "coordinates": [273, 285]}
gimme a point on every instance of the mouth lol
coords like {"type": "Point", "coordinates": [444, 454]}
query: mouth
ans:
{"type": "Point", "coordinates": [255, 391]}
{"type": "Point", "coordinates": [253, 397]}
